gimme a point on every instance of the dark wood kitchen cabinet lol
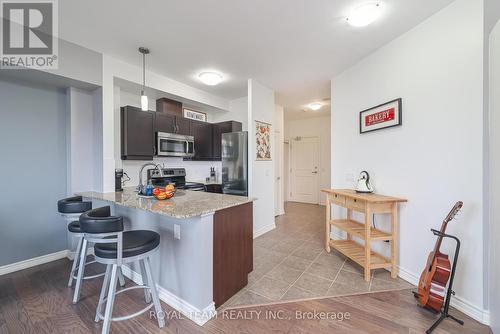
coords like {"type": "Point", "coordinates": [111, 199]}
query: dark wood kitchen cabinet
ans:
{"type": "Point", "coordinates": [202, 133]}
{"type": "Point", "coordinates": [218, 130]}
{"type": "Point", "coordinates": [233, 251]}
{"type": "Point", "coordinates": [169, 106]}
{"type": "Point", "coordinates": [137, 134]}
{"type": "Point", "coordinates": [164, 123]}
{"type": "Point", "coordinates": [183, 125]}
{"type": "Point", "coordinates": [169, 123]}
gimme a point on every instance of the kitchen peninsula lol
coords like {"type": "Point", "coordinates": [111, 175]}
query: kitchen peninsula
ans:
{"type": "Point", "coordinates": [206, 249]}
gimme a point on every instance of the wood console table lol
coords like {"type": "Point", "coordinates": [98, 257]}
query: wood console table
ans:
{"type": "Point", "coordinates": [368, 204]}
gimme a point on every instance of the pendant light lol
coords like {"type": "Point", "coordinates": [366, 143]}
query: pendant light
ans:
{"type": "Point", "coordinates": [144, 98]}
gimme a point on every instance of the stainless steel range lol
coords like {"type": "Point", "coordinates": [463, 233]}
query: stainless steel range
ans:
{"type": "Point", "coordinates": [176, 176]}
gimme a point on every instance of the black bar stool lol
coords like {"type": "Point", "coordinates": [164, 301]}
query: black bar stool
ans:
{"type": "Point", "coordinates": [113, 247]}
{"type": "Point", "coordinates": [71, 208]}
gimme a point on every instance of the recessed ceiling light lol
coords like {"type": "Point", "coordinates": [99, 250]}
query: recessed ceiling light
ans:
{"type": "Point", "coordinates": [315, 106]}
{"type": "Point", "coordinates": [210, 78]}
{"type": "Point", "coordinates": [364, 14]}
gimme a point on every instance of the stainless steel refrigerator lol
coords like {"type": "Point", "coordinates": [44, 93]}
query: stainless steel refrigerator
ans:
{"type": "Point", "coordinates": [235, 163]}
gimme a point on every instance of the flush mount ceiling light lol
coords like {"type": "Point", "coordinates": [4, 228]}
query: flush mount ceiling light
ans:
{"type": "Point", "coordinates": [210, 78]}
{"type": "Point", "coordinates": [315, 106]}
{"type": "Point", "coordinates": [364, 14]}
{"type": "Point", "coordinates": [144, 99]}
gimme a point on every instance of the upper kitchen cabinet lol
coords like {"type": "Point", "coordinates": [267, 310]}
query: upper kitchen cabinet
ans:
{"type": "Point", "coordinates": [183, 125]}
{"type": "Point", "coordinates": [172, 124]}
{"type": "Point", "coordinates": [164, 123]}
{"type": "Point", "coordinates": [170, 119]}
{"type": "Point", "coordinates": [218, 130]}
{"type": "Point", "coordinates": [202, 133]}
{"type": "Point", "coordinates": [168, 106]}
{"type": "Point", "coordinates": [137, 134]}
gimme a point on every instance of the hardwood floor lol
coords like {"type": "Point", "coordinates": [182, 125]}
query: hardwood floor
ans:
{"type": "Point", "coordinates": [37, 300]}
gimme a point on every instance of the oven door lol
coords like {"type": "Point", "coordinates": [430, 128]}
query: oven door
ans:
{"type": "Point", "coordinates": [172, 145]}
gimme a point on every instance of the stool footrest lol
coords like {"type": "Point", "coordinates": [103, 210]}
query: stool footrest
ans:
{"type": "Point", "coordinates": [130, 316]}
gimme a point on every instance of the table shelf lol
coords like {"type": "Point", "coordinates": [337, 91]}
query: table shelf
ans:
{"type": "Point", "coordinates": [356, 252]}
{"type": "Point", "coordinates": [358, 230]}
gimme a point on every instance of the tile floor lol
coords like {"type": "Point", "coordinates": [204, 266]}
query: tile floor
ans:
{"type": "Point", "coordinates": [290, 263]}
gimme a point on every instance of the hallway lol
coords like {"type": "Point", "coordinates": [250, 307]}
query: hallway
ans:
{"type": "Point", "coordinates": [290, 263]}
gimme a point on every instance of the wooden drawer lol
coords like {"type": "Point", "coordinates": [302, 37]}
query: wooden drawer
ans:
{"type": "Point", "coordinates": [355, 204]}
{"type": "Point", "coordinates": [337, 199]}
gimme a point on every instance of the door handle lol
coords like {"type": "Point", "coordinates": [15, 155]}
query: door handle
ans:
{"type": "Point", "coordinates": [315, 172]}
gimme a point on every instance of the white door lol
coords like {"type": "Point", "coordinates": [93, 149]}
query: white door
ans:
{"type": "Point", "coordinates": [304, 174]}
{"type": "Point", "coordinates": [277, 173]}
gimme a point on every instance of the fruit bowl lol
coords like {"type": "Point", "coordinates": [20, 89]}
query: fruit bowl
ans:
{"type": "Point", "coordinates": [163, 194]}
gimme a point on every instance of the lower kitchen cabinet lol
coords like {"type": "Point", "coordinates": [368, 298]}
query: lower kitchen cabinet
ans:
{"type": "Point", "coordinates": [213, 188]}
{"type": "Point", "coordinates": [233, 251]}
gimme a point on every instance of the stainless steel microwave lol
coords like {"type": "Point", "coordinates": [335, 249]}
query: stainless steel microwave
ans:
{"type": "Point", "coordinates": [174, 145]}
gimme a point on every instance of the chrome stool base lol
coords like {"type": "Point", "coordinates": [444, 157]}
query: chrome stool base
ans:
{"type": "Point", "coordinates": [80, 261]}
{"type": "Point", "coordinates": [109, 292]}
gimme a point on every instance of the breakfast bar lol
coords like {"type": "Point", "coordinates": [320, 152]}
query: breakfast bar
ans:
{"type": "Point", "coordinates": [206, 247]}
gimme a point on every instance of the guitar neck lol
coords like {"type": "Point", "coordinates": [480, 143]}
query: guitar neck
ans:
{"type": "Point", "coordinates": [439, 240]}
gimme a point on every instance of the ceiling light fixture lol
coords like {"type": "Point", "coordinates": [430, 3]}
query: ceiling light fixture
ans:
{"type": "Point", "coordinates": [315, 106]}
{"type": "Point", "coordinates": [144, 98]}
{"type": "Point", "coordinates": [364, 14]}
{"type": "Point", "coordinates": [210, 78]}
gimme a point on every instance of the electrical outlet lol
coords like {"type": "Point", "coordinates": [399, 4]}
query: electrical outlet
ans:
{"type": "Point", "coordinates": [177, 231]}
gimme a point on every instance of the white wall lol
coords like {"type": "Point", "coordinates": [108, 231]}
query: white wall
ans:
{"type": "Point", "coordinates": [435, 158]}
{"type": "Point", "coordinates": [261, 107]}
{"type": "Point", "coordinates": [32, 140]}
{"type": "Point", "coordinates": [491, 17]}
{"type": "Point", "coordinates": [82, 141]}
{"type": "Point", "coordinates": [313, 127]}
{"type": "Point", "coordinates": [238, 111]}
{"type": "Point", "coordinates": [494, 128]}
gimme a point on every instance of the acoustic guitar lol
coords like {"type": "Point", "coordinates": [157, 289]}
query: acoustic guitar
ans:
{"type": "Point", "coordinates": [433, 280]}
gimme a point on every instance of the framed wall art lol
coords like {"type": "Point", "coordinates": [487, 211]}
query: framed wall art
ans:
{"type": "Point", "coordinates": [193, 114]}
{"type": "Point", "coordinates": [380, 117]}
{"type": "Point", "coordinates": [263, 141]}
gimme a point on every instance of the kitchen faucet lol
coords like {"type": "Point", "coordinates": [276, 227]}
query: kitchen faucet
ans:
{"type": "Point", "coordinates": [141, 186]}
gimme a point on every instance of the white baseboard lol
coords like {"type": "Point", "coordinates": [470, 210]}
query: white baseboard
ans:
{"type": "Point", "coordinates": [263, 230]}
{"type": "Point", "coordinates": [200, 317]}
{"type": "Point", "coordinates": [461, 304]}
{"type": "Point", "coordinates": [71, 254]}
{"type": "Point", "coordinates": [36, 261]}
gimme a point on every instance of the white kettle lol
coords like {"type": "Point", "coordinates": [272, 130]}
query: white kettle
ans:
{"type": "Point", "coordinates": [364, 185]}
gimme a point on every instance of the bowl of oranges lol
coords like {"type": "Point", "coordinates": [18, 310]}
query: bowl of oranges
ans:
{"type": "Point", "coordinates": [164, 193]}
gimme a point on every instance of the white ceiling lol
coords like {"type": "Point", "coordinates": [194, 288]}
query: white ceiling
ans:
{"type": "Point", "coordinates": [292, 46]}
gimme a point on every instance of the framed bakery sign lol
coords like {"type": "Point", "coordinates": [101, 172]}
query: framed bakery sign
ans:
{"type": "Point", "coordinates": [380, 117]}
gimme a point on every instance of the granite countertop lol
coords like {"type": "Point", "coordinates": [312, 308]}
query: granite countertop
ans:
{"type": "Point", "coordinates": [184, 204]}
